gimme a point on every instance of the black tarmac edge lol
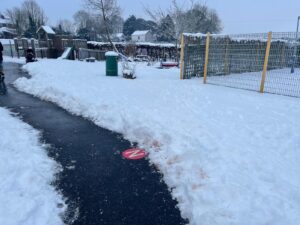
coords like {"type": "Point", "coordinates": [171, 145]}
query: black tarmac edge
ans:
{"type": "Point", "coordinates": [100, 186]}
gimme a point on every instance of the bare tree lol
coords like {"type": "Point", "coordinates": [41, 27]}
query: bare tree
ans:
{"type": "Point", "coordinates": [82, 19]}
{"type": "Point", "coordinates": [66, 26]}
{"type": "Point", "coordinates": [107, 9]}
{"type": "Point", "coordinates": [27, 18]}
{"type": "Point", "coordinates": [35, 12]}
{"type": "Point", "coordinates": [190, 16]}
{"type": "Point", "coordinates": [18, 17]}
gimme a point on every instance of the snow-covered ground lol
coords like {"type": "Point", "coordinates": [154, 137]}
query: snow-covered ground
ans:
{"type": "Point", "coordinates": [26, 196]}
{"type": "Point", "coordinates": [279, 81]}
{"type": "Point", "coordinates": [231, 157]}
{"type": "Point", "coordinates": [20, 60]}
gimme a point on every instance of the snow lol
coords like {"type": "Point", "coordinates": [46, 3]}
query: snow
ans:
{"type": "Point", "coordinates": [7, 30]}
{"type": "Point", "coordinates": [47, 29]}
{"type": "Point", "coordinates": [287, 37]}
{"type": "Point", "coordinates": [278, 81]}
{"type": "Point", "coordinates": [20, 60]}
{"type": "Point", "coordinates": [119, 35]}
{"type": "Point", "coordinates": [230, 156]}
{"type": "Point", "coordinates": [66, 53]}
{"type": "Point", "coordinates": [111, 53]}
{"type": "Point", "coordinates": [150, 44]}
{"type": "Point", "coordinates": [26, 172]}
{"type": "Point", "coordinates": [5, 21]}
{"type": "Point", "coordinates": [140, 32]}
{"type": "Point", "coordinates": [6, 41]}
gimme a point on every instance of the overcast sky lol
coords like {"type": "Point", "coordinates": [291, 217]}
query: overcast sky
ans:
{"type": "Point", "coordinates": [238, 16]}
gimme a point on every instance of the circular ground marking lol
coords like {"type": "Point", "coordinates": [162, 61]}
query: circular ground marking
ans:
{"type": "Point", "coordinates": [134, 154]}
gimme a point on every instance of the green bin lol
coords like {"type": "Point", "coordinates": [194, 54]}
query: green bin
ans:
{"type": "Point", "coordinates": [111, 63]}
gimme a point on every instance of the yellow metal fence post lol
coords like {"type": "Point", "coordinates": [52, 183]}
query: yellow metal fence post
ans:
{"type": "Point", "coordinates": [182, 46]}
{"type": "Point", "coordinates": [263, 78]}
{"type": "Point", "coordinates": [206, 57]}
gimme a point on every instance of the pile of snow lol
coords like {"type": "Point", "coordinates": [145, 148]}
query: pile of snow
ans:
{"type": "Point", "coordinates": [230, 157]}
{"type": "Point", "coordinates": [26, 172]}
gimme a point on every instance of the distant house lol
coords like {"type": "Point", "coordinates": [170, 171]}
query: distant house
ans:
{"type": "Point", "coordinates": [142, 36]}
{"type": "Point", "coordinates": [118, 37]}
{"type": "Point", "coordinates": [7, 29]}
{"type": "Point", "coordinates": [45, 33]}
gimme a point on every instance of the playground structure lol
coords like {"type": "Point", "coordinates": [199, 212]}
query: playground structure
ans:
{"type": "Point", "coordinates": [258, 62]}
{"type": "Point", "coordinates": [82, 49]}
{"type": "Point", "coordinates": [51, 45]}
{"type": "Point", "coordinates": [51, 48]}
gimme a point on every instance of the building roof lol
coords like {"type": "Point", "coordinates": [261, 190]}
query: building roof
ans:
{"type": "Point", "coordinates": [119, 35]}
{"type": "Point", "coordinates": [47, 29]}
{"type": "Point", "coordinates": [7, 30]}
{"type": "Point", "coordinates": [5, 21]}
{"type": "Point", "coordinates": [140, 32]}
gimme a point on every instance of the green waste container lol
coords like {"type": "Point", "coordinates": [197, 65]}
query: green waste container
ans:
{"type": "Point", "coordinates": [111, 63]}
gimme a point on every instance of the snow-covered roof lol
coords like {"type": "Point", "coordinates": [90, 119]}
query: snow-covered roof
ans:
{"type": "Point", "coordinates": [140, 32]}
{"type": "Point", "coordinates": [5, 21]}
{"type": "Point", "coordinates": [119, 35]}
{"type": "Point", "coordinates": [47, 29]}
{"type": "Point", "coordinates": [7, 30]}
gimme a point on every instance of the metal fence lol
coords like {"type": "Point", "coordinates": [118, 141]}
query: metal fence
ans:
{"type": "Point", "coordinates": [259, 62]}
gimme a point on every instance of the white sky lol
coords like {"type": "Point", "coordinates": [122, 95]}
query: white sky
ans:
{"type": "Point", "coordinates": [238, 16]}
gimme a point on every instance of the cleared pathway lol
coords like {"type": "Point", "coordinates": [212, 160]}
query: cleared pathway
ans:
{"type": "Point", "coordinates": [100, 186]}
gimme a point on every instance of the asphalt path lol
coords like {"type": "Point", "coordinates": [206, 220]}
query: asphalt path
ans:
{"type": "Point", "coordinates": [100, 186]}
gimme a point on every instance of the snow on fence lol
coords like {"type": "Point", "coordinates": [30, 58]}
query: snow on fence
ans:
{"type": "Point", "coordinates": [84, 53]}
{"type": "Point", "coordinates": [156, 51]}
{"type": "Point", "coordinates": [259, 62]}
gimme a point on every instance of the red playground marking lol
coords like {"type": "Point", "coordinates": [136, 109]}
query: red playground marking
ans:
{"type": "Point", "coordinates": [134, 154]}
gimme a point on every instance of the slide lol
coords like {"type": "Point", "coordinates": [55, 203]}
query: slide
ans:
{"type": "Point", "coordinates": [67, 53]}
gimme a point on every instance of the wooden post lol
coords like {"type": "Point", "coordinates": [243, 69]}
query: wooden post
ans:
{"type": "Point", "coordinates": [182, 45]}
{"type": "Point", "coordinates": [263, 78]}
{"type": "Point", "coordinates": [206, 57]}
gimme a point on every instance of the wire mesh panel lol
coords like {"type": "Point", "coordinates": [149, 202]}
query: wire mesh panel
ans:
{"type": "Point", "coordinates": [238, 61]}
{"type": "Point", "coordinates": [284, 55]}
{"type": "Point", "coordinates": [194, 52]}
